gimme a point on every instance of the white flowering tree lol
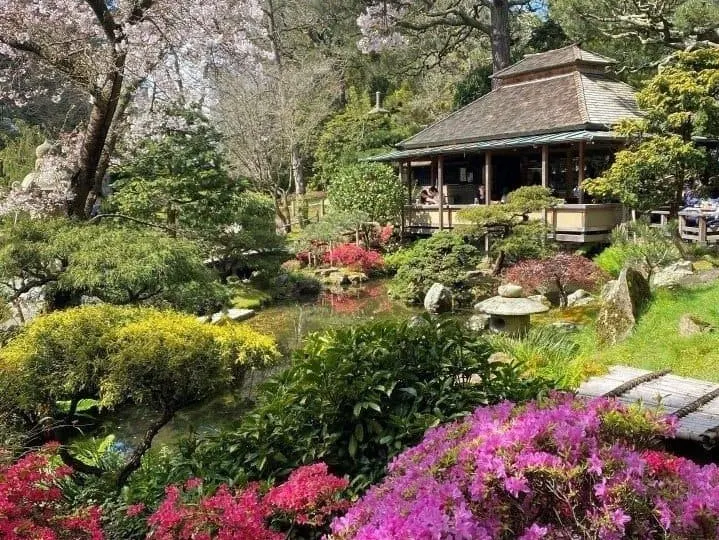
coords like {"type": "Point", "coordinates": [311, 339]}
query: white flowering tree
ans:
{"type": "Point", "coordinates": [392, 23]}
{"type": "Point", "coordinates": [107, 50]}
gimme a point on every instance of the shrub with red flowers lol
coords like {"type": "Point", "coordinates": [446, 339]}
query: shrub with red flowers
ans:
{"type": "Point", "coordinates": [32, 504]}
{"type": "Point", "coordinates": [354, 257]}
{"type": "Point", "coordinates": [304, 503]}
{"type": "Point", "coordinates": [560, 272]}
{"type": "Point", "coordinates": [564, 468]}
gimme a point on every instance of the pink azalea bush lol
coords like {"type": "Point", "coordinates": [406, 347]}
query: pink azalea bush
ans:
{"type": "Point", "coordinates": [354, 257]}
{"type": "Point", "coordinates": [561, 469]}
{"type": "Point", "coordinates": [309, 497]}
{"type": "Point", "coordinates": [32, 505]}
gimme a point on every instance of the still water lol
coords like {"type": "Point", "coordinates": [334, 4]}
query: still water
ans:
{"type": "Point", "coordinates": [289, 324]}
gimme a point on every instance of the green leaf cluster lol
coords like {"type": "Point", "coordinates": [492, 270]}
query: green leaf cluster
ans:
{"type": "Point", "coordinates": [372, 188]}
{"type": "Point", "coordinates": [121, 354]}
{"type": "Point", "coordinates": [680, 103]}
{"type": "Point", "coordinates": [179, 179]}
{"type": "Point", "coordinates": [120, 265]}
{"type": "Point", "coordinates": [443, 258]}
{"type": "Point", "coordinates": [640, 245]}
{"type": "Point", "coordinates": [355, 133]}
{"type": "Point", "coordinates": [651, 173]}
{"type": "Point", "coordinates": [515, 235]}
{"type": "Point", "coordinates": [355, 397]}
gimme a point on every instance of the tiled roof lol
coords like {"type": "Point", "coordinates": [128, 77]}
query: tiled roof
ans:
{"type": "Point", "coordinates": [566, 56]}
{"type": "Point", "coordinates": [572, 101]}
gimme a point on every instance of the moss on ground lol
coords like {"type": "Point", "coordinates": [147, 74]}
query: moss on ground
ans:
{"type": "Point", "coordinates": [656, 343]}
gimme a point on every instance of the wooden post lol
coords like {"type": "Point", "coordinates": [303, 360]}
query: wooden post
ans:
{"type": "Point", "coordinates": [545, 182]}
{"type": "Point", "coordinates": [580, 176]}
{"type": "Point", "coordinates": [702, 229]}
{"type": "Point", "coordinates": [404, 178]}
{"type": "Point", "coordinates": [488, 178]}
{"type": "Point", "coordinates": [440, 187]}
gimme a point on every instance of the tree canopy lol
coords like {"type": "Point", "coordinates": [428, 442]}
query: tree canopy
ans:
{"type": "Point", "coordinates": [664, 158]}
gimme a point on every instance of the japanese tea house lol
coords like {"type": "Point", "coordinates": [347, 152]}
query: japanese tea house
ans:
{"type": "Point", "coordinates": [548, 121]}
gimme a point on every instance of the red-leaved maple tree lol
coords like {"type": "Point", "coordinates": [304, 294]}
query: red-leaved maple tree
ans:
{"type": "Point", "coordinates": [562, 271]}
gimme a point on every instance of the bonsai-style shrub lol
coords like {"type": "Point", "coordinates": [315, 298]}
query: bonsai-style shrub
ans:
{"type": "Point", "coordinates": [116, 355]}
{"type": "Point", "coordinates": [120, 265]}
{"type": "Point", "coordinates": [445, 258]}
{"type": "Point", "coordinates": [355, 397]}
{"type": "Point", "coordinates": [561, 272]}
{"type": "Point", "coordinates": [301, 507]}
{"type": "Point", "coordinates": [561, 468]}
{"type": "Point", "coordinates": [515, 236]}
{"type": "Point", "coordinates": [32, 504]}
{"type": "Point", "coordinates": [640, 245]}
{"type": "Point", "coordinates": [354, 257]}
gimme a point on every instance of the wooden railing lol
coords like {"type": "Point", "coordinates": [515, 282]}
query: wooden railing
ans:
{"type": "Point", "coordinates": [694, 227]}
{"type": "Point", "coordinates": [577, 223]}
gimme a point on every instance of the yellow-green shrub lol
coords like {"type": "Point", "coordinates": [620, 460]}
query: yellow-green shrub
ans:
{"type": "Point", "coordinates": [121, 353]}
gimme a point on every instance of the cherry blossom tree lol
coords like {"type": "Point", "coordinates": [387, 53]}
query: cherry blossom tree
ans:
{"type": "Point", "coordinates": [107, 50]}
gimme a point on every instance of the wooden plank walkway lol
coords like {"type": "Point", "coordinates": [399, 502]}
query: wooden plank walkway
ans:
{"type": "Point", "coordinates": [694, 402]}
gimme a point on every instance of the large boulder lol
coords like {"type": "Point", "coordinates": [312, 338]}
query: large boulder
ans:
{"type": "Point", "coordinates": [622, 300]}
{"type": "Point", "coordinates": [673, 275]}
{"type": "Point", "coordinates": [438, 299]}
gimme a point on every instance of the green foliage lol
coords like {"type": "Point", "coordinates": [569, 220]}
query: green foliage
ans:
{"type": "Point", "coordinates": [119, 265]}
{"type": "Point", "coordinates": [116, 355]}
{"type": "Point", "coordinates": [680, 102]}
{"type": "Point", "coordinates": [650, 174]}
{"type": "Point", "coordinates": [180, 180]}
{"type": "Point", "coordinates": [612, 260]}
{"type": "Point", "coordinates": [638, 244]}
{"type": "Point", "coordinates": [474, 85]}
{"type": "Point", "coordinates": [518, 237]}
{"type": "Point", "coordinates": [17, 153]}
{"type": "Point", "coordinates": [656, 344]}
{"type": "Point", "coordinates": [401, 257]}
{"type": "Point", "coordinates": [355, 397]}
{"type": "Point", "coordinates": [443, 258]}
{"type": "Point", "coordinates": [368, 187]}
{"type": "Point", "coordinates": [331, 228]}
{"type": "Point", "coordinates": [355, 133]}
{"type": "Point", "coordinates": [545, 352]}
{"type": "Point", "coordinates": [528, 240]}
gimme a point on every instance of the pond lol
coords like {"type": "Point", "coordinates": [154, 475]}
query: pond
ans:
{"type": "Point", "coordinates": [289, 323]}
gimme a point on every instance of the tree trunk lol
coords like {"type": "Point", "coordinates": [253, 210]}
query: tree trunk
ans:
{"type": "Point", "coordinates": [563, 299]}
{"type": "Point", "coordinates": [98, 128]}
{"type": "Point", "coordinates": [498, 264]}
{"type": "Point", "coordinates": [297, 171]}
{"type": "Point", "coordinates": [136, 458]}
{"type": "Point", "coordinates": [500, 38]}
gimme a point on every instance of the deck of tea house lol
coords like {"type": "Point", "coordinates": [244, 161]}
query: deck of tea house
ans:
{"type": "Point", "coordinates": [547, 122]}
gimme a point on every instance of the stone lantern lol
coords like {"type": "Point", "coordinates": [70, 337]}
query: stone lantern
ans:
{"type": "Point", "coordinates": [509, 312]}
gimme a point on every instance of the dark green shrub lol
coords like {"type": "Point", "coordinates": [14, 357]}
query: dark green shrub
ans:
{"type": "Point", "coordinates": [443, 258]}
{"type": "Point", "coordinates": [355, 397]}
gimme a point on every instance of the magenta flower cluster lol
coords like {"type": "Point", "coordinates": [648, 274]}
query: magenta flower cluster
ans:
{"type": "Point", "coordinates": [562, 468]}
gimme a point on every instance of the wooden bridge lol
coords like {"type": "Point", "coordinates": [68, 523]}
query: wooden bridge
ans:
{"type": "Point", "coordinates": [695, 403]}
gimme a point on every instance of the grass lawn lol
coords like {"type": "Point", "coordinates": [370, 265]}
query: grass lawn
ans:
{"type": "Point", "coordinates": [656, 343]}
